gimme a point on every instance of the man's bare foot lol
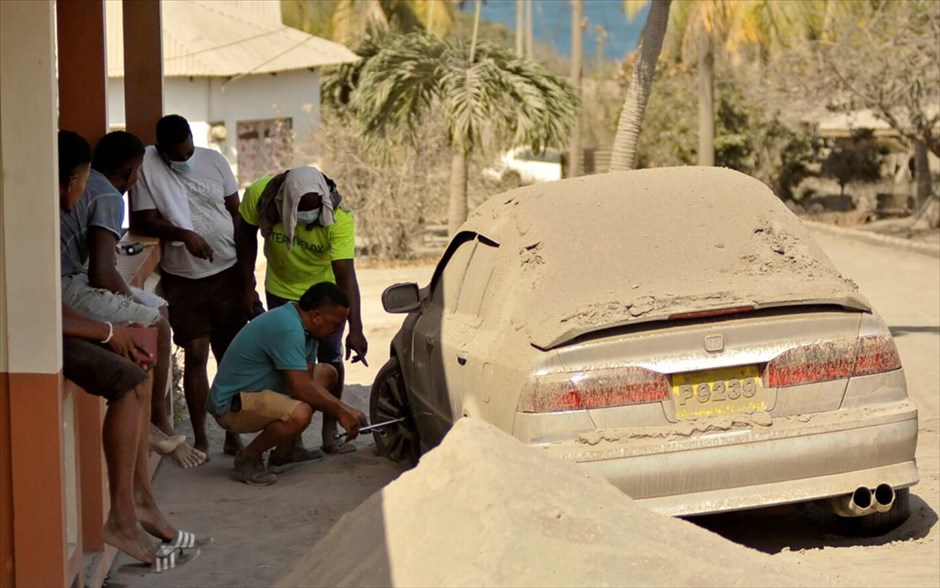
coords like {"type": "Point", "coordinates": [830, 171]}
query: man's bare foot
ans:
{"type": "Point", "coordinates": [163, 444]}
{"type": "Point", "coordinates": [153, 521]}
{"type": "Point", "coordinates": [233, 444]}
{"type": "Point", "coordinates": [187, 457]}
{"type": "Point", "coordinates": [131, 541]}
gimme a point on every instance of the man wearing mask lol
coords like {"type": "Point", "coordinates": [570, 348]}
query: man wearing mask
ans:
{"type": "Point", "coordinates": [188, 197]}
{"type": "Point", "coordinates": [309, 237]}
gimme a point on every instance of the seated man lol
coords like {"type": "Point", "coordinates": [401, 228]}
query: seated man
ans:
{"type": "Point", "coordinates": [103, 359]}
{"type": "Point", "coordinates": [269, 381]}
{"type": "Point", "coordinates": [89, 229]}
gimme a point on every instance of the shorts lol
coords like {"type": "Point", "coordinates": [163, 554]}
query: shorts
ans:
{"type": "Point", "coordinates": [205, 307]}
{"type": "Point", "coordinates": [257, 410]}
{"type": "Point", "coordinates": [104, 305]}
{"type": "Point", "coordinates": [99, 370]}
{"type": "Point", "coordinates": [330, 350]}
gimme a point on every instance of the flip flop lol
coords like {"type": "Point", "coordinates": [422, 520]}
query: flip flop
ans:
{"type": "Point", "coordinates": [186, 540]}
{"type": "Point", "coordinates": [165, 558]}
{"type": "Point", "coordinates": [338, 448]}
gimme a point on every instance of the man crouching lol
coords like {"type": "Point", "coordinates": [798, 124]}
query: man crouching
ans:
{"type": "Point", "coordinates": [269, 381]}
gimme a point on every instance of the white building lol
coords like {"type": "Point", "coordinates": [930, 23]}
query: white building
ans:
{"type": "Point", "coordinates": [249, 86]}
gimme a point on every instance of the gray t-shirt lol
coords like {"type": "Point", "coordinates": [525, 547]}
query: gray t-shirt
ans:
{"type": "Point", "coordinates": [206, 184]}
{"type": "Point", "coordinates": [100, 205]}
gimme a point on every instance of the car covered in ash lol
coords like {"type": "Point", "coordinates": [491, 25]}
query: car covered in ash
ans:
{"type": "Point", "coordinates": [675, 330]}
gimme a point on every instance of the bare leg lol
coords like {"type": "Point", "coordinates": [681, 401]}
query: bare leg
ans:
{"type": "Point", "coordinates": [160, 374]}
{"type": "Point", "coordinates": [121, 436]}
{"type": "Point", "coordinates": [336, 389]}
{"type": "Point", "coordinates": [145, 506]}
{"type": "Point", "coordinates": [196, 388]}
{"type": "Point", "coordinates": [279, 433]}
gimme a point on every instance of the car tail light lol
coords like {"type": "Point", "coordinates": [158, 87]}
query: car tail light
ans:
{"type": "Point", "coordinates": [832, 360]}
{"type": "Point", "coordinates": [602, 388]}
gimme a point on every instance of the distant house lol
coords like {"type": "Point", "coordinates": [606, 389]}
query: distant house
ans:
{"type": "Point", "coordinates": [249, 85]}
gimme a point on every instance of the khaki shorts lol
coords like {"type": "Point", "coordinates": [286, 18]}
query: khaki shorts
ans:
{"type": "Point", "coordinates": [258, 410]}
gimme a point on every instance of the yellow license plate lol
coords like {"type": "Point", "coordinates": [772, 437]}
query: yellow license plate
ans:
{"type": "Point", "coordinates": [718, 392]}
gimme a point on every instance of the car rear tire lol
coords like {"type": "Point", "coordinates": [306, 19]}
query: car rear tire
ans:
{"type": "Point", "coordinates": [389, 401]}
{"type": "Point", "coordinates": [880, 523]}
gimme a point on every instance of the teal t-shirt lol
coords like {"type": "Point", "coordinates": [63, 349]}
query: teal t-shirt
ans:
{"type": "Point", "coordinates": [274, 342]}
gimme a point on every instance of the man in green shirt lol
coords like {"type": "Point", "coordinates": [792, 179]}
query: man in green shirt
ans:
{"type": "Point", "coordinates": [309, 237]}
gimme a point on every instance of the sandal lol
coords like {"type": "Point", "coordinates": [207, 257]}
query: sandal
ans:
{"type": "Point", "coordinates": [167, 558]}
{"type": "Point", "coordinates": [186, 540]}
{"type": "Point", "coordinates": [339, 448]}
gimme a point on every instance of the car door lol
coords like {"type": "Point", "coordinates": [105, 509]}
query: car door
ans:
{"type": "Point", "coordinates": [431, 405]}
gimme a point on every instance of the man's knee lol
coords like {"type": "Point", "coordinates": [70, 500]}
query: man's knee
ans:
{"type": "Point", "coordinates": [300, 417]}
{"type": "Point", "coordinates": [326, 375]}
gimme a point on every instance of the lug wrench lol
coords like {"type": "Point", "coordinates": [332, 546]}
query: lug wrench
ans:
{"type": "Point", "coordinates": [378, 427]}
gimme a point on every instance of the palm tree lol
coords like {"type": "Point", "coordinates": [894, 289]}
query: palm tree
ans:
{"type": "Point", "coordinates": [634, 105]}
{"type": "Point", "coordinates": [355, 19]}
{"type": "Point", "coordinates": [482, 91]}
{"type": "Point", "coordinates": [352, 21]}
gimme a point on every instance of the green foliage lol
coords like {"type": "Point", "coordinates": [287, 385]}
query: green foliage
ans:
{"type": "Point", "coordinates": [747, 139]}
{"type": "Point", "coordinates": [495, 95]}
{"type": "Point", "coordinates": [857, 159]}
{"type": "Point", "coordinates": [311, 16]}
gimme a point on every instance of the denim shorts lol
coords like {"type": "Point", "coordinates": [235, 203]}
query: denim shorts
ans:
{"type": "Point", "coordinates": [104, 305]}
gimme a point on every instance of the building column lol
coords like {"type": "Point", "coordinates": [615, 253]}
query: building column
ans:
{"type": "Point", "coordinates": [143, 68]}
{"type": "Point", "coordinates": [30, 318]}
{"type": "Point", "coordinates": [83, 108]}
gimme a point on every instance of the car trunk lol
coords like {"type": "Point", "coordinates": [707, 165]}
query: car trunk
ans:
{"type": "Point", "coordinates": [712, 367]}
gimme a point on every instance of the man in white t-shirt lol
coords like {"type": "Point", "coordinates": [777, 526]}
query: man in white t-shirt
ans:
{"type": "Point", "coordinates": [188, 197]}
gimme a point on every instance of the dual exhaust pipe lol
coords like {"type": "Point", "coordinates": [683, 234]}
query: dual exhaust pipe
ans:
{"type": "Point", "coordinates": [864, 501]}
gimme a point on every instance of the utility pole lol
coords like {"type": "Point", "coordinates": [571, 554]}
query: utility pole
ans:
{"type": "Point", "coordinates": [520, 28]}
{"type": "Point", "coordinates": [529, 41]}
{"type": "Point", "coordinates": [577, 62]}
{"type": "Point", "coordinates": [600, 38]}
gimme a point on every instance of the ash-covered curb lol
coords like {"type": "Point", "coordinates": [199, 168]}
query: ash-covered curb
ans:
{"type": "Point", "coordinates": [875, 238]}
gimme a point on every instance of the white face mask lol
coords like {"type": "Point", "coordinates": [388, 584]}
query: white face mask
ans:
{"type": "Point", "coordinates": [184, 166]}
{"type": "Point", "coordinates": [305, 217]}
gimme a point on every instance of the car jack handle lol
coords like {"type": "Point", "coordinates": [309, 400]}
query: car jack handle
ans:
{"type": "Point", "coordinates": [377, 427]}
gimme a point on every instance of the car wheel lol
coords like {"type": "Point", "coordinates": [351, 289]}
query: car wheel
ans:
{"type": "Point", "coordinates": [389, 402]}
{"type": "Point", "coordinates": [880, 523]}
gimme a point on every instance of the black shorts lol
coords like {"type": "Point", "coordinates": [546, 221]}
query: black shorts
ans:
{"type": "Point", "coordinates": [99, 370]}
{"type": "Point", "coordinates": [330, 350]}
{"type": "Point", "coordinates": [205, 307]}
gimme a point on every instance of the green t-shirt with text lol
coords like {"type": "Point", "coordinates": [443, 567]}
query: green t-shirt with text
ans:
{"type": "Point", "coordinates": [309, 261]}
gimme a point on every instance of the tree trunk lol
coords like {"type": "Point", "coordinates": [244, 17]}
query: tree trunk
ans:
{"type": "Point", "coordinates": [457, 207]}
{"type": "Point", "coordinates": [706, 101]}
{"type": "Point", "coordinates": [577, 58]}
{"type": "Point", "coordinates": [922, 172]}
{"type": "Point", "coordinates": [634, 105]}
{"type": "Point", "coordinates": [529, 38]}
{"type": "Point", "coordinates": [520, 27]}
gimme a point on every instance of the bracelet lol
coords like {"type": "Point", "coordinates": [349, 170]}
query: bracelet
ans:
{"type": "Point", "coordinates": [110, 332]}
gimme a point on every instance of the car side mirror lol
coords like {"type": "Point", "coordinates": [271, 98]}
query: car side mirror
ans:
{"type": "Point", "coordinates": [399, 298]}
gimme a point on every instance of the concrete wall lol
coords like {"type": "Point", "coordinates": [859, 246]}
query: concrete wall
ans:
{"type": "Point", "coordinates": [293, 94]}
{"type": "Point", "coordinates": [29, 235]}
{"type": "Point", "coordinates": [34, 510]}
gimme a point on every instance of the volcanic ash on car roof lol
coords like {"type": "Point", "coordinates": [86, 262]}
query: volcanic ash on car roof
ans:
{"type": "Point", "coordinates": [485, 510]}
{"type": "Point", "coordinates": [642, 245]}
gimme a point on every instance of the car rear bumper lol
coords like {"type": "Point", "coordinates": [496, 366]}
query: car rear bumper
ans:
{"type": "Point", "coordinates": [753, 461]}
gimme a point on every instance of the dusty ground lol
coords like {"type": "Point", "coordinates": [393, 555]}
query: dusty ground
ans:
{"type": "Point", "coordinates": [260, 533]}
